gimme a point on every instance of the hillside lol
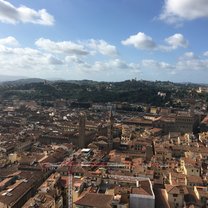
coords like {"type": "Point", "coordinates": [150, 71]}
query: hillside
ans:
{"type": "Point", "coordinates": [155, 93]}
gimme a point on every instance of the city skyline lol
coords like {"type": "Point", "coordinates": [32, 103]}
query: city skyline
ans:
{"type": "Point", "coordinates": [105, 41]}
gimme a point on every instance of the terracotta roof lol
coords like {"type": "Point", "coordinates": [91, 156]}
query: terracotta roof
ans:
{"type": "Point", "coordinates": [95, 200]}
{"type": "Point", "coordinates": [155, 130]}
{"type": "Point", "coordinates": [137, 121]}
{"type": "Point", "coordinates": [122, 190]}
{"type": "Point", "coordinates": [139, 191]}
{"type": "Point", "coordinates": [194, 179]}
{"type": "Point", "coordinates": [143, 189]}
{"type": "Point", "coordinates": [173, 189]}
{"type": "Point", "coordinates": [20, 187]}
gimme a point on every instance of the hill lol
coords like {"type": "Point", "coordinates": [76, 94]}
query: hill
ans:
{"type": "Point", "coordinates": [155, 93]}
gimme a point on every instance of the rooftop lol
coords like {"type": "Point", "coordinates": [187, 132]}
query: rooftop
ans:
{"type": "Point", "coordinates": [95, 200]}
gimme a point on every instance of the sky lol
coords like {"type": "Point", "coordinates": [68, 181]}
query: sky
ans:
{"type": "Point", "coordinates": [105, 40]}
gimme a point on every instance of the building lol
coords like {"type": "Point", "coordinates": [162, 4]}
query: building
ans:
{"type": "Point", "coordinates": [142, 195]}
{"type": "Point", "coordinates": [176, 123]}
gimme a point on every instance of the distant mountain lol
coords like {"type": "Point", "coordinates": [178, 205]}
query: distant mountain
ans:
{"type": "Point", "coordinates": [6, 78]}
{"type": "Point", "coordinates": [13, 80]}
{"type": "Point", "coordinates": [81, 82]}
{"type": "Point", "coordinates": [23, 81]}
{"type": "Point", "coordinates": [78, 82]}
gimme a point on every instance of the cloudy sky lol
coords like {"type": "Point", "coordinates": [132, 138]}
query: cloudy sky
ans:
{"type": "Point", "coordinates": [108, 40]}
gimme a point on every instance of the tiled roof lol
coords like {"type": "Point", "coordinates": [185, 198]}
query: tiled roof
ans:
{"type": "Point", "coordinates": [95, 200]}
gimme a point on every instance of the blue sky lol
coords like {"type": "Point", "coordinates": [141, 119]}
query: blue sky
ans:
{"type": "Point", "coordinates": [105, 40]}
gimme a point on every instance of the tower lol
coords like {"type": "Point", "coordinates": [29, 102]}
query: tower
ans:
{"type": "Point", "coordinates": [192, 105]}
{"type": "Point", "coordinates": [81, 141]}
{"type": "Point", "coordinates": [110, 132]}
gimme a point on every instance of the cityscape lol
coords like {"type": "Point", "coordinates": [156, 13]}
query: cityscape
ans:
{"type": "Point", "coordinates": [103, 104]}
{"type": "Point", "coordinates": [61, 152]}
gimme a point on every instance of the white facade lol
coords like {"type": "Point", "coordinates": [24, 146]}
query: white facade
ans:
{"type": "Point", "coordinates": [142, 201]}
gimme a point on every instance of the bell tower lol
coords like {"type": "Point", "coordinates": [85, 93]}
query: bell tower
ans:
{"type": "Point", "coordinates": [81, 141]}
{"type": "Point", "coordinates": [110, 131]}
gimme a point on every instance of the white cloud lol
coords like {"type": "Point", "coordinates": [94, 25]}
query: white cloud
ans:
{"type": "Point", "coordinates": [13, 15]}
{"type": "Point", "coordinates": [100, 66]}
{"type": "Point", "coordinates": [156, 65]}
{"type": "Point", "coordinates": [140, 41]}
{"type": "Point", "coordinates": [188, 55]}
{"type": "Point", "coordinates": [53, 60]}
{"type": "Point", "coordinates": [73, 59]}
{"type": "Point", "coordinates": [10, 41]}
{"type": "Point", "coordinates": [177, 40]}
{"type": "Point", "coordinates": [192, 64]}
{"type": "Point", "coordinates": [63, 59]}
{"type": "Point", "coordinates": [24, 56]}
{"type": "Point", "coordinates": [188, 62]}
{"type": "Point", "coordinates": [205, 53]}
{"type": "Point", "coordinates": [79, 48]}
{"type": "Point", "coordinates": [120, 64]}
{"type": "Point", "coordinates": [145, 42]}
{"type": "Point", "coordinates": [66, 47]}
{"type": "Point", "coordinates": [176, 11]}
{"type": "Point", "coordinates": [27, 61]}
{"type": "Point", "coordinates": [60, 60]}
{"type": "Point", "coordinates": [102, 47]}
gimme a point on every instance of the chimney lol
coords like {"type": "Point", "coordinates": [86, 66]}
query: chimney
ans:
{"type": "Point", "coordinates": [137, 184]}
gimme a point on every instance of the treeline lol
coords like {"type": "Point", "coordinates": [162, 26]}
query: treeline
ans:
{"type": "Point", "coordinates": [128, 91]}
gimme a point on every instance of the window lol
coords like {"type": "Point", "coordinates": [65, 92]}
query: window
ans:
{"type": "Point", "coordinates": [175, 195]}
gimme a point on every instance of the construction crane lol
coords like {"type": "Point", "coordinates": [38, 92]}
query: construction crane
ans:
{"type": "Point", "coordinates": [71, 163]}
